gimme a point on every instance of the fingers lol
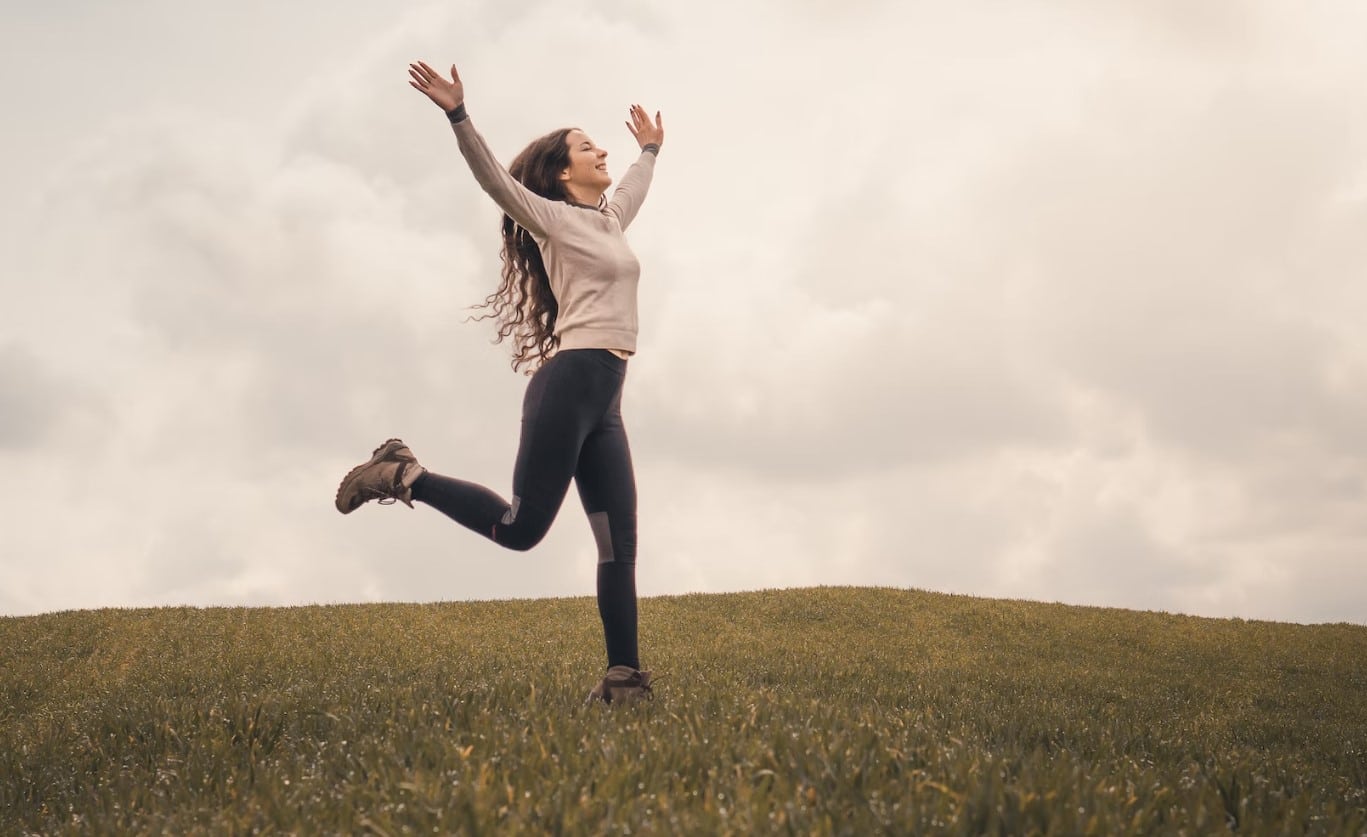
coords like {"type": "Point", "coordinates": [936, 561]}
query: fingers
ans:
{"type": "Point", "coordinates": [422, 75]}
{"type": "Point", "coordinates": [423, 72]}
{"type": "Point", "coordinates": [641, 118]}
{"type": "Point", "coordinates": [643, 128]}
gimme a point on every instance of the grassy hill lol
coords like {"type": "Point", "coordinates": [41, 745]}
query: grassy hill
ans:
{"type": "Point", "coordinates": [827, 711]}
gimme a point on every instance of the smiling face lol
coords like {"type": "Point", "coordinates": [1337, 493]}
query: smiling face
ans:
{"type": "Point", "coordinates": [586, 178]}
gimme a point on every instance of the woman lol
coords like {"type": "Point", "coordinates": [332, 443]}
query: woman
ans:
{"type": "Point", "coordinates": [568, 301]}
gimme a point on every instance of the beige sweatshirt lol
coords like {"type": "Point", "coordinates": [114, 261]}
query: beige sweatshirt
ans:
{"type": "Point", "coordinates": [593, 272]}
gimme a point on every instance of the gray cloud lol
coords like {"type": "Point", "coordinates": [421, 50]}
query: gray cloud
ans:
{"type": "Point", "coordinates": [1112, 559]}
{"type": "Point", "coordinates": [39, 405]}
{"type": "Point", "coordinates": [1046, 302]}
{"type": "Point", "coordinates": [29, 399]}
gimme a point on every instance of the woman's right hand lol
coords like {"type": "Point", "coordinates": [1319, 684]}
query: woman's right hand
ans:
{"type": "Point", "coordinates": [447, 95]}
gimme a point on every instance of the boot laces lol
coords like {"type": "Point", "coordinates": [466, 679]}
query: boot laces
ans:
{"type": "Point", "coordinates": [388, 495]}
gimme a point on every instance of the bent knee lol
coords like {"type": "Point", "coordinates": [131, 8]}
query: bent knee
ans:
{"type": "Point", "coordinates": [519, 538]}
{"type": "Point", "coordinates": [521, 527]}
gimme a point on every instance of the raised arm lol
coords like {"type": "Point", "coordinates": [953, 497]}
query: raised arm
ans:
{"type": "Point", "coordinates": [631, 192]}
{"type": "Point", "coordinates": [535, 213]}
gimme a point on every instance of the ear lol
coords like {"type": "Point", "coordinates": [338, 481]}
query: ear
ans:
{"type": "Point", "coordinates": [565, 175]}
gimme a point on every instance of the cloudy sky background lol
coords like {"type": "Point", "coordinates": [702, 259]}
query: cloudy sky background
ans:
{"type": "Point", "coordinates": [1035, 300]}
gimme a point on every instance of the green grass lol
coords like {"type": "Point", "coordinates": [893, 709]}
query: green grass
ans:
{"type": "Point", "coordinates": [826, 711]}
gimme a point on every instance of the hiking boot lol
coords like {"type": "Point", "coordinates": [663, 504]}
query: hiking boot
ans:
{"type": "Point", "coordinates": [388, 476]}
{"type": "Point", "coordinates": [623, 684]}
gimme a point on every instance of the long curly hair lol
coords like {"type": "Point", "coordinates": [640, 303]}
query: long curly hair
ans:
{"type": "Point", "coordinates": [523, 305]}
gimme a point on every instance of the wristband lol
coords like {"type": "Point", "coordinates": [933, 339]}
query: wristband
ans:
{"type": "Point", "coordinates": [652, 147]}
{"type": "Point", "coordinates": [457, 113]}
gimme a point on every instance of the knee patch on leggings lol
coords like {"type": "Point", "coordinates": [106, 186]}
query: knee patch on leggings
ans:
{"type": "Point", "coordinates": [602, 535]}
{"type": "Point", "coordinates": [622, 549]}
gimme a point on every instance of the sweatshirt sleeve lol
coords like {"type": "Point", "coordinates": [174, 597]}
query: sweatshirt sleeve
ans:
{"type": "Point", "coordinates": [631, 192]}
{"type": "Point", "coordinates": [535, 213]}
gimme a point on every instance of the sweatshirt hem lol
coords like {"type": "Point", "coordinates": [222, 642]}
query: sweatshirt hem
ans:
{"type": "Point", "coordinates": [599, 339]}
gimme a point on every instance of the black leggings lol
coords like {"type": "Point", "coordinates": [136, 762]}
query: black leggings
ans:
{"type": "Point", "coordinates": [571, 429]}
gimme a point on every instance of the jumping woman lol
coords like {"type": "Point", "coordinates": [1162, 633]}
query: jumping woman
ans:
{"type": "Point", "coordinates": [568, 302]}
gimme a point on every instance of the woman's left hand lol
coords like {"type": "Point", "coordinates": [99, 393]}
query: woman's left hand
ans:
{"type": "Point", "coordinates": [645, 131]}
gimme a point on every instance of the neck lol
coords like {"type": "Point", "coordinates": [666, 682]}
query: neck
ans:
{"type": "Point", "coordinates": [587, 197]}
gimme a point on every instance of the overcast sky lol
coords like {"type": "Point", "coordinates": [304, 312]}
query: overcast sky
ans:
{"type": "Point", "coordinates": [1047, 300]}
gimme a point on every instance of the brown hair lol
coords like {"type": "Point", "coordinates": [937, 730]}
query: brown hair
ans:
{"type": "Point", "coordinates": [523, 305]}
